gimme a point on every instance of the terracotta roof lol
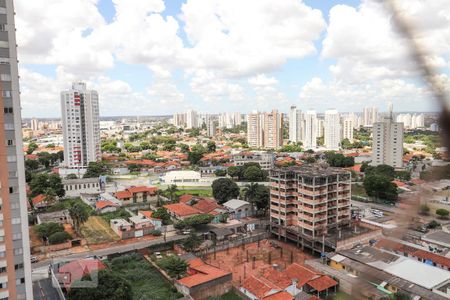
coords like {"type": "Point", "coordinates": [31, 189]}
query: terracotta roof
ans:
{"type": "Point", "coordinates": [283, 295]}
{"type": "Point", "coordinates": [185, 198]}
{"type": "Point", "coordinates": [302, 274]}
{"type": "Point", "coordinates": [31, 156]}
{"type": "Point", "coordinates": [206, 205]}
{"type": "Point", "coordinates": [182, 210]}
{"type": "Point", "coordinates": [201, 273]}
{"type": "Point", "coordinates": [103, 204]}
{"type": "Point", "coordinates": [123, 195]}
{"type": "Point", "coordinates": [142, 189]}
{"type": "Point", "coordinates": [77, 269]}
{"type": "Point", "coordinates": [147, 213]}
{"type": "Point", "coordinates": [279, 279]}
{"type": "Point", "coordinates": [398, 183]}
{"type": "Point", "coordinates": [322, 283]}
{"type": "Point", "coordinates": [38, 199]}
{"type": "Point", "coordinates": [417, 181]}
{"type": "Point", "coordinates": [257, 287]}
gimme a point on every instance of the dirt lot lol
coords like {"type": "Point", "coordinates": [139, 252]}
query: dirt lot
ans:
{"type": "Point", "coordinates": [96, 231]}
{"type": "Point", "coordinates": [254, 259]}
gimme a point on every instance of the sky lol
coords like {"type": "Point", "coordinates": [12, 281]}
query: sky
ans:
{"type": "Point", "coordinates": [155, 57]}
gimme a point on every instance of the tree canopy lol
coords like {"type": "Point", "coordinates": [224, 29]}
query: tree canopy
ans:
{"type": "Point", "coordinates": [225, 189]}
{"type": "Point", "coordinates": [339, 160]}
{"type": "Point", "coordinates": [42, 183]}
{"type": "Point", "coordinates": [96, 169]}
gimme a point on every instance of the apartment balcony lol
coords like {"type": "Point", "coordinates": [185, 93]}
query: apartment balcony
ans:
{"type": "Point", "coordinates": [312, 210]}
{"type": "Point", "coordinates": [306, 217]}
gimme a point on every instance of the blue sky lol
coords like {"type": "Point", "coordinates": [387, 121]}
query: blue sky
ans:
{"type": "Point", "coordinates": [151, 57]}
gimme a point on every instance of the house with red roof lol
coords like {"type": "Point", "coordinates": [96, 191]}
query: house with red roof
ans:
{"type": "Point", "coordinates": [181, 211]}
{"type": "Point", "coordinates": [204, 281]}
{"type": "Point", "coordinates": [41, 201]}
{"type": "Point", "coordinates": [149, 215]}
{"type": "Point", "coordinates": [136, 194]}
{"type": "Point", "coordinates": [75, 270]}
{"type": "Point", "coordinates": [105, 206]}
{"type": "Point", "coordinates": [288, 284]}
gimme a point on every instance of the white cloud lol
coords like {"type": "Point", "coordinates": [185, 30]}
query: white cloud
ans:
{"type": "Point", "coordinates": [261, 80]}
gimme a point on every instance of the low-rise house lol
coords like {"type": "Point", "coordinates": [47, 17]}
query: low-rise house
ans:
{"type": "Point", "coordinates": [75, 270]}
{"type": "Point", "coordinates": [264, 159]}
{"type": "Point", "coordinates": [238, 209]}
{"type": "Point", "coordinates": [149, 215]}
{"type": "Point", "coordinates": [136, 194]}
{"type": "Point", "coordinates": [60, 217]}
{"type": "Point", "coordinates": [41, 201]}
{"type": "Point", "coordinates": [75, 187]}
{"type": "Point", "coordinates": [294, 282]}
{"type": "Point", "coordinates": [211, 170]}
{"type": "Point", "coordinates": [105, 206]}
{"type": "Point", "coordinates": [181, 211]}
{"type": "Point", "coordinates": [204, 281]}
{"type": "Point", "coordinates": [136, 226]}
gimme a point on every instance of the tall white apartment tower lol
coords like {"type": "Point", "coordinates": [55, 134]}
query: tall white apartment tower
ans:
{"type": "Point", "coordinates": [191, 119]}
{"type": "Point", "coordinates": [347, 127]}
{"type": "Point", "coordinates": [332, 129]}
{"type": "Point", "coordinates": [370, 115]}
{"type": "Point", "coordinates": [15, 266]}
{"type": "Point", "coordinates": [273, 129]}
{"type": "Point", "coordinates": [295, 125]}
{"type": "Point", "coordinates": [310, 138]}
{"type": "Point", "coordinates": [387, 147]}
{"type": "Point", "coordinates": [81, 126]}
{"type": "Point", "coordinates": [255, 137]}
{"type": "Point", "coordinates": [34, 124]}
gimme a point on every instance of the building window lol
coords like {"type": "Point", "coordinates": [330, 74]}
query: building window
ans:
{"type": "Point", "coordinates": [15, 221]}
{"type": "Point", "coordinates": [9, 126]}
{"type": "Point", "coordinates": [3, 285]}
{"type": "Point", "coordinates": [10, 142]}
{"type": "Point", "coordinates": [20, 281]}
{"type": "Point", "coordinates": [11, 189]}
{"type": "Point", "coordinates": [18, 251]}
{"type": "Point", "coordinates": [11, 158]}
{"type": "Point", "coordinates": [5, 77]}
{"type": "Point", "coordinates": [8, 110]}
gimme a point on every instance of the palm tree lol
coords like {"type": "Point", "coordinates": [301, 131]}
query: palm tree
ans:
{"type": "Point", "coordinates": [159, 193]}
{"type": "Point", "coordinates": [250, 191]}
{"type": "Point", "coordinates": [79, 216]}
{"type": "Point", "coordinates": [172, 190]}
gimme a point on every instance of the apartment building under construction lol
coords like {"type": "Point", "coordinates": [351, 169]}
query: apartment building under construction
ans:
{"type": "Point", "coordinates": [311, 205]}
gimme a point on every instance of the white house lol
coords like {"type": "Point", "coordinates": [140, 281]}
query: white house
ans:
{"type": "Point", "coordinates": [238, 208]}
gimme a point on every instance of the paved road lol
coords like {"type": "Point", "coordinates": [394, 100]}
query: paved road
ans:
{"type": "Point", "coordinates": [108, 251]}
{"type": "Point", "coordinates": [388, 208]}
{"type": "Point", "coordinates": [44, 290]}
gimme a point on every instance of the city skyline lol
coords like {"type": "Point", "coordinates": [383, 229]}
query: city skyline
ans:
{"type": "Point", "coordinates": [181, 70]}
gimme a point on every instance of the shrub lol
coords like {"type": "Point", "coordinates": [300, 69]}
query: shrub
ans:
{"type": "Point", "coordinates": [155, 232]}
{"type": "Point", "coordinates": [59, 237]}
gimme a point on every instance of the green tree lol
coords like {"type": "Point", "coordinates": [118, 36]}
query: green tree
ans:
{"type": "Point", "coordinates": [72, 176]}
{"type": "Point", "coordinates": [110, 286]}
{"type": "Point", "coordinates": [96, 169]}
{"type": "Point", "coordinates": [44, 230]}
{"type": "Point", "coordinates": [162, 214]}
{"type": "Point", "coordinates": [174, 266]}
{"type": "Point", "coordinates": [442, 213]}
{"type": "Point", "coordinates": [291, 148]}
{"type": "Point", "coordinates": [31, 147]}
{"type": "Point", "coordinates": [172, 192]}
{"type": "Point", "coordinates": [196, 220]}
{"type": "Point", "coordinates": [31, 164]}
{"type": "Point", "coordinates": [385, 170]}
{"type": "Point", "coordinates": [380, 186]}
{"type": "Point", "coordinates": [253, 173]}
{"type": "Point", "coordinates": [339, 160]}
{"type": "Point", "coordinates": [59, 237]}
{"type": "Point", "coordinates": [79, 215]}
{"type": "Point", "coordinates": [220, 172]}
{"type": "Point", "coordinates": [196, 154]}
{"type": "Point", "coordinates": [233, 171]}
{"type": "Point", "coordinates": [211, 147]}
{"type": "Point", "coordinates": [41, 183]}
{"type": "Point", "coordinates": [184, 148]}
{"type": "Point", "coordinates": [225, 189]}
{"type": "Point", "coordinates": [192, 242]}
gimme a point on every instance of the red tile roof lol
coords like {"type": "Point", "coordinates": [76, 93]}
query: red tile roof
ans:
{"type": "Point", "coordinates": [398, 183]}
{"type": "Point", "coordinates": [129, 192]}
{"type": "Point", "coordinates": [206, 205]}
{"type": "Point", "coordinates": [257, 286]}
{"type": "Point", "coordinates": [185, 198]}
{"type": "Point", "coordinates": [103, 204]}
{"type": "Point", "coordinates": [182, 209]}
{"type": "Point", "coordinates": [147, 213]}
{"type": "Point", "coordinates": [283, 295]}
{"type": "Point", "coordinates": [123, 195]}
{"type": "Point", "coordinates": [279, 279]}
{"type": "Point", "coordinates": [322, 283]}
{"type": "Point", "coordinates": [201, 273]}
{"type": "Point", "coordinates": [302, 274]}
{"type": "Point", "coordinates": [77, 269]}
{"type": "Point", "coordinates": [38, 199]}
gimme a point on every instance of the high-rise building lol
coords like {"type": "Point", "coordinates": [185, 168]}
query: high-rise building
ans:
{"type": "Point", "coordinates": [320, 127]}
{"type": "Point", "coordinates": [34, 124]}
{"type": "Point", "coordinates": [230, 120]}
{"type": "Point", "coordinates": [179, 120]}
{"type": "Point", "coordinates": [310, 138]}
{"type": "Point", "coordinates": [312, 200]}
{"type": "Point", "coordinates": [81, 126]}
{"type": "Point", "coordinates": [295, 125]}
{"type": "Point", "coordinates": [347, 128]}
{"type": "Point", "coordinates": [370, 115]}
{"type": "Point", "coordinates": [332, 129]}
{"type": "Point", "coordinates": [411, 121]}
{"type": "Point", "coordinates": [387, 145]}
{"type": "Point", "coordinates": [210, 126]}
{"type": "Point", "coordinates": [15, 265]}
{"type": "Point", "coordinates": [255, 130]}
{"type": "Point", "coordinates": [273, 129]}
{"type": "Point", "coordinates": [191, 119]}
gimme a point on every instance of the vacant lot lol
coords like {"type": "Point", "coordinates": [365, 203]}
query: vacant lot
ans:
{"type": "Point", "coordinates": [206, 192]}
{"type": "Point", "coordinates": [96, 231]}
{"type": "Point", "coordinates": [145, 280]}
{"type": "Point", "coordinates": [228, 296]}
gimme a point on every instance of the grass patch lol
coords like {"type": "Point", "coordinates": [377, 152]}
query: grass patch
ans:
{"type": "Point", "coordinates": [196, 192]}
{"type": "Point", "coordinates": [118, 214]}
{"type": "Point", "coordinates": [358, 190]}
{"type": "Point", "coordinates": [231, 295]}
{"type": "Point", "coordinates": [96, 230]}
{"type": "Point", "coordinates": [145, 280]}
